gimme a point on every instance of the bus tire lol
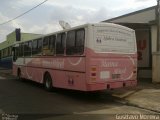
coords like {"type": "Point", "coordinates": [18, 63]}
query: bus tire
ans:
{"type": "Point", "coordinates": [19, 75]}
{"type": "Point", "coordinates": [48, 82]}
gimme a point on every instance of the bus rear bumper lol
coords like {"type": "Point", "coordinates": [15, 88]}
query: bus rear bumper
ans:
{"type": "Point", "coordinates": [111, 85]}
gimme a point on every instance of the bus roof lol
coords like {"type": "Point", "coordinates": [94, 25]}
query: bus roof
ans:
{"type": "Point", "coordinates": [89, 24]}
{"type": "Point", "coordinates": [82, 26]}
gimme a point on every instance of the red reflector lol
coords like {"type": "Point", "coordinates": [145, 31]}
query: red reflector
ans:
{"type": "Point", "coordinates": [93, 74]}
{"type": "Point", "coordinates": [134, 71]}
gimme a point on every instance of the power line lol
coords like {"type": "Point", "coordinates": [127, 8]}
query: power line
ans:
{"type": "Point", "coordinates": [23, 13]}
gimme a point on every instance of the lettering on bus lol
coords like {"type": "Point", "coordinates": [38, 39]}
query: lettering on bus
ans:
{"type": "Point", "coordinates": [110, 38]}
{"type": "Point", "coordinates": [106, 63]}
{"type": "Point", "coordinates": [57, 63]}
{"type": "Point", "coordinates": [120, 71]}
{"type": "Point", "coordinates": [115, 31]}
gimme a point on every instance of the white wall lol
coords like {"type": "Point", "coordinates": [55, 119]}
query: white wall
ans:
{"type": "Point", "coordinates": [154, 38]}
{"type": "Point", "coordinates": [156, 68]}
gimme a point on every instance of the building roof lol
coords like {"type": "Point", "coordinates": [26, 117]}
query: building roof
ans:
{"type": "Point", "coordinates": [11, 38]}
{"type": "Point", "coordinates": [129, 14]}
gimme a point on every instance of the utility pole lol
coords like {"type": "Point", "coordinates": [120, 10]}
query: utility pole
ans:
{"type": "Point", "coordinates": [158, 25]}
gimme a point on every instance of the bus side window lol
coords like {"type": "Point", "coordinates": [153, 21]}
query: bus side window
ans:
{"type": "Point", "coordinates": [17, 51]}
{"type": "Point", "coordinates": [70, 43]}
{"type": "Point", "coordinates": [80, 37]}
{"type": "Point", "coordinates": [14, 51]}
{"type": "Point", "coordinates": [5, 52]}
{"type": "Point", "coordinates": [0, 54]}
{"type": "Point", "coordinates": [30, 48]}
{"type": "Point", "coordinates": [27, 48]}
{"type": "Point", "coordinates": [75, 42]}
{"type": "Point", "coordinates": [46, 46]}
{"type": "Point", "coordinates": [39, 49]}
{"type": "Point", "coordinates": [10, 51]}
{"type": "Point", "coordinates": [60, 43]}
{"type": "Point", "coordinates": [34, 47]}
{"type": "Point", "coordinates": [21, 50]}
{"type": "Point", "coordinates": [52, 40]}
{"type": "Point", "coordinates": [49, 45]}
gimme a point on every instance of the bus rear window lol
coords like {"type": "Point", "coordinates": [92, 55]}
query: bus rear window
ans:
{"type": "Point", "coordinates": [114, 39]}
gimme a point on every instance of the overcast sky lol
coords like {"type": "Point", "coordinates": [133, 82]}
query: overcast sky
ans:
{"type": "Point", "coordinates": [44, 19]}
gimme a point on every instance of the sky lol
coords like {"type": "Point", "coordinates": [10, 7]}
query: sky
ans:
{"type": "Point", "coordinates": [45, 18]}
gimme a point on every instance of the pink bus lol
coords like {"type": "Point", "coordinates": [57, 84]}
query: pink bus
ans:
{"type": "Point", "coordinates": [89, 57]}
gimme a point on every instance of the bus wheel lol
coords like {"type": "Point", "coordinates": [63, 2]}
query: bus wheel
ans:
{"type": "Point", "coordinates": [48, 82]}
{"type": "Point", "coordinates": [19, 74]}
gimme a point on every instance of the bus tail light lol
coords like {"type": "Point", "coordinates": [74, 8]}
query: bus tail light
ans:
{"type": "Point", "coordinates": [93, 73]}
{"type": "Point", "coordinates": [93, 79]}
{"type": "Point", "coordinates": [134, 70]}
{"type": "Point", "coordinates": [93, 69]}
